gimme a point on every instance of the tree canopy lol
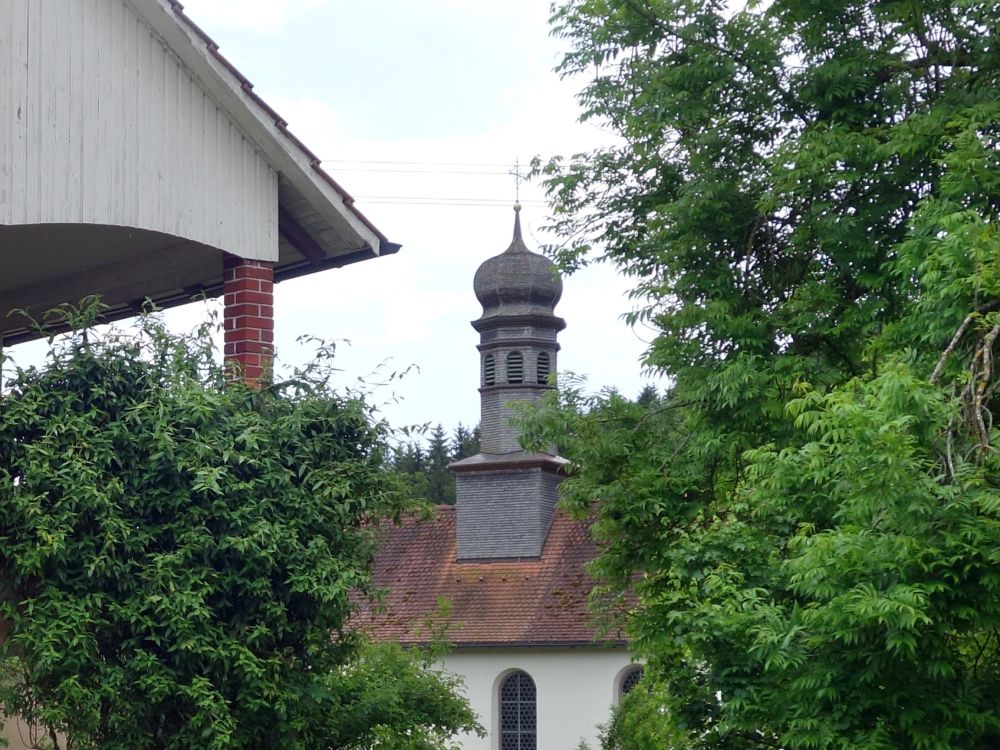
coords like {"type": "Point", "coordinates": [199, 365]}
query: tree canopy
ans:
{"type": "Point", "coordinates": [806, 195]}
{"type": "Point", "coordinates": [181, 555]}
{"type": "Point", "coordinates": [424, 469]}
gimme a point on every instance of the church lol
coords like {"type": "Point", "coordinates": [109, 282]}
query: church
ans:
{"type": "Point", "coordinates": [502, 573]}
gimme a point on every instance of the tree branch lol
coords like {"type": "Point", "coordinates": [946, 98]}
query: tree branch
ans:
{"type": "Point", "coordinates": [951, 347]}
{"type": "Point", "coordinates": [986, 354]}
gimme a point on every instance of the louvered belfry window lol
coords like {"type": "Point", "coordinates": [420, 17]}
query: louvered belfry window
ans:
{"type": "Point", "coordinates": [544, 368]}
{"type": "Point", "coordinates": [515, 367]}
{"type": "Point", "coordinates": [489, 370]}
{"type": "Point", "coordinates": [518, 726]}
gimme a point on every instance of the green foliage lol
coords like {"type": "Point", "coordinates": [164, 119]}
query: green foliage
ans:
{"type": "Point", "coordinates": [464, 442]}
{"type": "Point", "coordinates": [392, 698]}
{"type": "Point", "coordinates": [424, 470]}
{"type": "Point", "coordinates": [639, 721]}
{"type": "Point", "coordinates": [806, 195]}
{"type": "Point", "coordinates": [180, 555]}
{"type": "Point", "coordinates": [440, 482]}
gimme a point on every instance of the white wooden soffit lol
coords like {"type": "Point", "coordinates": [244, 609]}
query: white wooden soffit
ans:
{"type": "Point", "coordinates": [262, 125]}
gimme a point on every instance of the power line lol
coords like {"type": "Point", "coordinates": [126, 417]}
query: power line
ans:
{"type": "Point", "coordinates": [468, 204]}
{"type": "Point", "coordinates": [443, 198]}
{"type": "Point", "coordinates": [443, 201]}
{"type": "Point", "coordinates": [419, 171]}
{"type": "Point", "coordinates": [494, 165]}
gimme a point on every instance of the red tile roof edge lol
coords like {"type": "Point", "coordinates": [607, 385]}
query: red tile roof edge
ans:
{"type": "Point", "coordinates": [595, 645]}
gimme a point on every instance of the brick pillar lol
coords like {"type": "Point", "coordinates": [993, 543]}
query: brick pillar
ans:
{"type": "Point", "coordinates": [248, 286]}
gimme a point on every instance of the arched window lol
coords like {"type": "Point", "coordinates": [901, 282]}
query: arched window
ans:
{"type": "Point", "coordinates": [544, 368]}
{"type": "Point", "coordinates": [489, 370]}
{"type": "Point", "coordinates": [629, 680]}
{"type": "Point", "coordinates": [517, 713]}
{"type": "Point", "coordinates": [515, 368]}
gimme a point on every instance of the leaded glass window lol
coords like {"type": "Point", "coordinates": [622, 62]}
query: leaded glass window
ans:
{"type": "Point", "coordinates": [631, 679]}
{"type": "Point", "coordinates": [517, 713]}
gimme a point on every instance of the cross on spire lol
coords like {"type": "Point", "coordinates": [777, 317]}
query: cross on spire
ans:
{"type": "Point", "coordinates": [519, 177]}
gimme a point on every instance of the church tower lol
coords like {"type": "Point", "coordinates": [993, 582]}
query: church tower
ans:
{"type": "Point", "coordinates": [506, 497]}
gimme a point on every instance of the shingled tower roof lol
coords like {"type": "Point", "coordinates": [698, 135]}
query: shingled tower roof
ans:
{"type": "Point", "coordinates": [518, 281]}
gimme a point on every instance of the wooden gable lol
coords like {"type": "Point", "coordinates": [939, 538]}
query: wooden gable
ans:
{"type": "Point", "coordinates": [133, 156]}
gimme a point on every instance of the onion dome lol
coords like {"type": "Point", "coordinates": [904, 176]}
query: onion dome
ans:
{"type": "Point", "coordinates": [518, 281]}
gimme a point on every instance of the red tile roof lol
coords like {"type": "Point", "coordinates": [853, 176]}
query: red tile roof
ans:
{"type": "Point", "coordinates": [539, 601]}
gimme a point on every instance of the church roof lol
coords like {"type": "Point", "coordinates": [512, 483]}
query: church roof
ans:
{"type": "Point", "coordinates": [513, 602]}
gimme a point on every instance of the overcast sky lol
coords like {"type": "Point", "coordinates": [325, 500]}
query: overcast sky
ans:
{"type": "Point", "coordinates": [418, 109]}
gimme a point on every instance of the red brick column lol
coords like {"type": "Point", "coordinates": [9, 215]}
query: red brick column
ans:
{"type": "Point", "coordinates": [248, 286]}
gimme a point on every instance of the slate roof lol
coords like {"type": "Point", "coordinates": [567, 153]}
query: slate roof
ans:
{"type": "Point", "coordinates": [512, 602]}
{"type": "Point", "coordinates": [517, 281]}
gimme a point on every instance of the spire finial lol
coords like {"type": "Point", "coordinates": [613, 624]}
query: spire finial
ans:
{"type": "Point", "coordinates": [518, 178]}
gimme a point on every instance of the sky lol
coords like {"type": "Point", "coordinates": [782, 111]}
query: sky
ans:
{"type": "Point", "coordinates": [420, 110]}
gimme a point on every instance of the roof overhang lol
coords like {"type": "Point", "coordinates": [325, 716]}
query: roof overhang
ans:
{"type": "Point", "coordinates": [310, 197]}
{"type": "Point", "coordinates": [59, 260]}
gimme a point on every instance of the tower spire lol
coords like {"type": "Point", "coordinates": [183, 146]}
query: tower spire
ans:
{"type": "Point", "coordinates": [506, 496]}
{"type": "Point", "coordinates": [518, 179]}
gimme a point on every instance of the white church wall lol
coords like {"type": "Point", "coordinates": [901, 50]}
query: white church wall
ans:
{"type": "Point", "coordinates": [575, 688]}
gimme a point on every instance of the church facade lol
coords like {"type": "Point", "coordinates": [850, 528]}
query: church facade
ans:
{"type": "Point", "coordinates": [503, 572]}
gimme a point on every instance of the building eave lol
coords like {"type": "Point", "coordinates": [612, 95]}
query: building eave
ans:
{"type": "Point", "coordinates": [234, 92]}
{"type": "Point", "coordinates": [508, 461]}
{"type": "Point", "coordinates": [525, 645]}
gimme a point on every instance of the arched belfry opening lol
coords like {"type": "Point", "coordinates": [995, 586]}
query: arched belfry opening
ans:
{"type": "Point", "coordinates": [506, 496]}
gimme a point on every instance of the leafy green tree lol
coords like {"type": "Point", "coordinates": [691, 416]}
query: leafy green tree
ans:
{"type": "Point", "coordinates": [393, 698]}
{"type": "Point", "coordinates": [180, 557]}
{"type": "Point", "coordinates": [806, 195]}
{"type": "Point", "coordinates": [637, 723]}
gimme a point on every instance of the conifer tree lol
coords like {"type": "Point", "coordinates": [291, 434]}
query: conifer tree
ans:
{"type": "Point", "coordinates": [440, 481]}
{"type": "Point", "coordinates": [464, 443]}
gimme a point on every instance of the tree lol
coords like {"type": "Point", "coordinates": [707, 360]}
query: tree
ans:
{"type": "Point", "coordinates": [647, 396]}
{"type": "Point", "coordinates": [806, 194]}
{"type": "Point", "coordinates": [409, 463]}
{"type": "Point", "coordinates": [637, 721]}
{"type": "Point", "coordinates": [181, 556]}
{"type": "Point", "coordinates": [425, 472]}
{"type": "Point", "coordinates": [440, 481]}
{"type": "Point", "coordinates": [393, 698]}
{"type": "Point", "coordinates": [464, 443]}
